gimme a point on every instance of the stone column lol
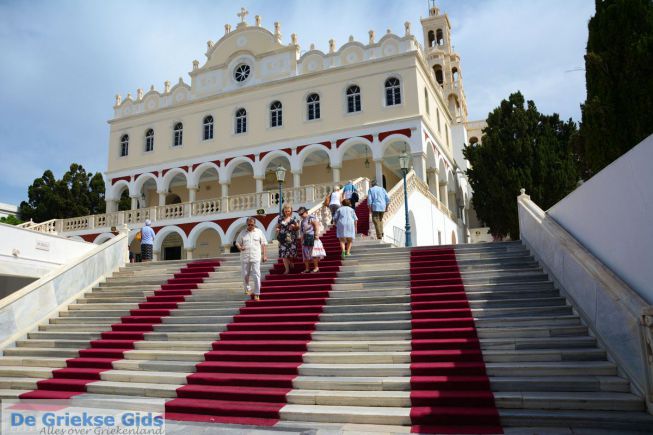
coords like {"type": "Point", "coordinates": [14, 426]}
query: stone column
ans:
{"type": "Point", "coordinates": [162, 198]}
{"type": "Point", "coordinates": [419, 165]}
{"type": "Point", "coordinates": [112, 206]}
{"type": "Point", "coordinates": [156, 255]}
{"type": "Point", "coordinates": [189, 253]}
{"type": "Point", "coordinates": [336, 175]}
{"type": "Point", "coordinates": [192, 194]}
{"type": "Point", "coordinates": [259, 184]}
{"type": "Point", "coordinates": [224, 194]}
{"type": "Point", "coordinates": [134, 205]}
{"type": "Point", "coordinates": [378, 172]}
{"type": "Point", "coordinates": [432, 181]}
{"type": "Point", "coordinates": [296, 179]}
{"type": "Point", "coordinates": [444, 195]}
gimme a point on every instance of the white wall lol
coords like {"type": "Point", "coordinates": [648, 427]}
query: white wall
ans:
{"type": "Point", "coordinates": [37, 253]}
{"type": "Point", "coordinates": [425, 221]}
{"type": "Point", "coordinates": [21, 311]}
{"type": "Point", "coordinates": [611, 214]}
{"type": "Point", "coordinates": [611, 308]}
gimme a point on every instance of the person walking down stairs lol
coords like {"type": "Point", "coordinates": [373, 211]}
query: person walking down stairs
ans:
{"type": "Point", "coordinates": [346, 227]}
{"type": "Point", "coordinates": [252, 244]}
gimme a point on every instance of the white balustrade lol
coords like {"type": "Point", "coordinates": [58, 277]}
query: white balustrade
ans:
{"type": "Point", "coordinates": [206, 207]}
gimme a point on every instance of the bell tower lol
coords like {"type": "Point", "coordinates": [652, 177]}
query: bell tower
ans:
{"type": "Point", "coordinates": [443, 61]}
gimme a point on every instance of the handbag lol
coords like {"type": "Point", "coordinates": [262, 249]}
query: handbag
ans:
{"type": "Point", "coordinates": [354, 197]}
{"type": "Point", "coordinates": [309, 240]}
{"type": "Point", "coordinates": [284, 237]}
{"type": "Point", "coordinates": [318, 249]}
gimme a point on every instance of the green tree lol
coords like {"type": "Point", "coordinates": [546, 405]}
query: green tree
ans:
{"type": "Point", "coordinates": [78, 193]}
{"type": "Point", "coordinates": [618, 112]}
{"type": "Point", "coordinates": [521, 148]}
{"type": "Point", "coordinates": [10, 220]}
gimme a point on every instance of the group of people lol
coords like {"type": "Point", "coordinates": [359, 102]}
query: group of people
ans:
{"type": "Point", "coordinates": [291, 232]}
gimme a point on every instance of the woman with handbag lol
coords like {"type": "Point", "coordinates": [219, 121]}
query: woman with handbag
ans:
{"type": "Point", "coordinates": [309, 232]}
{"type": "Point", "coordinates": [286, 229]}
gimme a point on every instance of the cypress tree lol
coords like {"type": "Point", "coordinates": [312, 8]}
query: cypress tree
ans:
{"type": "Point", "coordinates": [520, 148]}
{"type": "Point", "coordinates": [618, 112]}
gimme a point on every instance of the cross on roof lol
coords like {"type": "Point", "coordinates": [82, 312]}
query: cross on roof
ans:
{"type": "Point", "coordinates": [243, 13]}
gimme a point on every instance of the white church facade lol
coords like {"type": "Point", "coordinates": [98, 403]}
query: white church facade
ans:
{"type": "Point", "coordinates": [197, 157]}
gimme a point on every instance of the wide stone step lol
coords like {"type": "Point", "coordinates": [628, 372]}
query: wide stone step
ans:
{"type": "Point", "coordinates": [609, 422]}
{"type": "Point", "coordinates": [561, 368]}
{"type": "Point", "coordinates": [347, 414]}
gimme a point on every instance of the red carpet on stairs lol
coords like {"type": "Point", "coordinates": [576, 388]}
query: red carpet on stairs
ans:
{"type": "Point", "coordinates": [72, 380]}
{"type": "Point", "coordinates": [245, 378]}
{"type": "Point", "coordinates": [363, 215]}
{"type": "Point", "coordinates": [450, 390]}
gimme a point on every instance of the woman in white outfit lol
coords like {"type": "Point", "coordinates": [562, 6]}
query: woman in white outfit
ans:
{"type": "Point", "coordinates": [335, 201]}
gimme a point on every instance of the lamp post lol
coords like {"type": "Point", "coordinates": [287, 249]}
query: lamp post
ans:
{"type": "Point", "coordinates": [281, 175]}
{"type": "Point", "coordinates": [404, 163]}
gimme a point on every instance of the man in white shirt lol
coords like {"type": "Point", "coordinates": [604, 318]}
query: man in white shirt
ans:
{"type": "Point", "coordinates": [252, 244]}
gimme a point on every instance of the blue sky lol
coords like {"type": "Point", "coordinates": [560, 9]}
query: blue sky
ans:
{"type": "Point", "coordinates": [62, 61]}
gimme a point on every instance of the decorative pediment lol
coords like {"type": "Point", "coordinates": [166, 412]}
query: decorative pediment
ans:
{"type": "Point", "coordinates": [255, 41]}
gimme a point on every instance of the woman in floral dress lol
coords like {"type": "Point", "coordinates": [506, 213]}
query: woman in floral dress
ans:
{"type": "Point", "coordinates": [286, 229]}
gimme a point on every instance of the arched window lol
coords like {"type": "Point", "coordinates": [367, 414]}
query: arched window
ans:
{"type": "Point", "coordinates": [313, 106]}
{"type": "Point", "coordinates": [276, 114]}
{"type": "Point", "coordinates": [426, 101]}
{"type": "Point", "coordinates": [124, 145]}
{"type": "Point", "coordinates": [208, 127]}
{"type": "Point", "coordinates": [439, 37]}
{"type": "Point", "coordinates": [241, 121]}
{"type": "Point", "coordinates": [179, 134]}
{"type": "Point", "coordinates": [439, 77]}
{"type": "Point", "coordinates": [431, 38]}
{"type": "Point", "coordinates": [149, 140]}
{"type": "Point", "coordinates": [392, 92]}
{"type": "Point", "coordinates": [353, 99]}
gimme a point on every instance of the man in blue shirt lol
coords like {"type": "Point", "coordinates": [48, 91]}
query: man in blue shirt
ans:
{"type": "Point", "coordinates": [147, 240]}
{"type": "Point", "coordinates": [378, 200]}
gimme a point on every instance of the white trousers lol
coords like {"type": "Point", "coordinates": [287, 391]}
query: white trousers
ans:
{"type": "Point", "coordinates": [251, 269]}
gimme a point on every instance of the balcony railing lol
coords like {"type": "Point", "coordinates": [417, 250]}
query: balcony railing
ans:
{"type": "Point", "coordinates": [204, 207]}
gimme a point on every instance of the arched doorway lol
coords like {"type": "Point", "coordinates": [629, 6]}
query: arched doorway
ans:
{"type": "Point", "coordinates": [172, 247]}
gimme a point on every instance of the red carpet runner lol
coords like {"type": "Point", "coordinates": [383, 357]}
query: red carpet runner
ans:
{"type": "Point", "coordinates": [363, 214]}
{"type": "Point", "coordinates": [245, 378]}
{"type": "Point", "coordinates": [450, 390]}
{"type": "Point", "coordinates": [81, 371]}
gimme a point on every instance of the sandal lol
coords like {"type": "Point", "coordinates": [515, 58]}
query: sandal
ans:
{"type": "Point", "coordinates": [305, 271]}
{"type": "Point", "coordinates": [257, 297]}
{"type": "Point", "coordinates": [315, 270]}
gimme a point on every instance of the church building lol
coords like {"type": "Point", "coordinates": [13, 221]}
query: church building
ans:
{"type": "Point", "coordinates": [199, 155]}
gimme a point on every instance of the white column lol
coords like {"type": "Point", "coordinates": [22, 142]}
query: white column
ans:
{"type": "Point", "coordinates": [189, 253]}
{"type": "Point", "coordinates": [419, 164]}
{"type": "Point", "coordinates": [296, 179]}
{"type": "Point", "coordinates": [192, 194]}
{"type": "Point", "coordinates": [336, 175]}
{"type": "Point", "coordinates": [259, 184]}
{"type": "Point", "coordinates": [156, 255]}
{"type": "Point", "coordinates": [225, 193]}
{"type": "Point", "coordinates": [444, 195]}
{"type": "Point", "coordinates": [162, 198]}
{"type": "Point", "coordinates": [112, 206]}
{"type": "Point", "coordinates": [432, 181]}
{"type": "Point", "coordinates": [134, 205]}
{"type": "Point", "coordinates": [378, 172]}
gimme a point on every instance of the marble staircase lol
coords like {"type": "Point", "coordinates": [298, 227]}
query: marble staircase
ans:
{"type": "Point", "coordinates": [544, 366]}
